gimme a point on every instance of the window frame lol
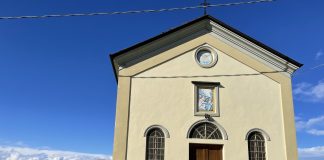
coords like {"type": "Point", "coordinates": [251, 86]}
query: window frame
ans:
{"type": "Point", "coordinates": [261, 149]}
{"type": "Point", "coordinates": [147, 149]}
{"type": "Point", "coordinates": [215, 88]}
{"type": "Point", "coordinates": [212, 52]}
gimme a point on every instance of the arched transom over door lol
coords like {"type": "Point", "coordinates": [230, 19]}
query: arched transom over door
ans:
{"type": "Point", "coordinates": [205, 130]}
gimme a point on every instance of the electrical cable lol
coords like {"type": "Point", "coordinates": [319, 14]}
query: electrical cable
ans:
{"type": "Point", "coordinates": [133, 12]}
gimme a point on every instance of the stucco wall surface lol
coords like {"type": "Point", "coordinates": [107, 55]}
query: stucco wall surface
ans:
{"type": "Point", "coordinates": [162, 96]}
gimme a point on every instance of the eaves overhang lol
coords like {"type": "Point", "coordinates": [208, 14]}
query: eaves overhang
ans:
{"type": "Point", "coordinates": [270, 54]}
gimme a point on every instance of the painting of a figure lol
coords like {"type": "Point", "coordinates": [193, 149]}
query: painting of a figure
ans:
{"type": "Point", "coordinates": [205, 99]}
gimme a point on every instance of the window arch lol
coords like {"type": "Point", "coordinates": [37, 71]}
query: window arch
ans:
{"type": "Point", "coordinates": [264, 133]}
{"type": "Point", "coordinates": [256, 146]}
{"type": "Point", "coordinates": [212, 128]}
{"type": "Point", "coordinates": [205, 130]}
{"type": "Point", "coordinates": [164, 130]}
{"type": "Point", "coordinates": [155, 144]}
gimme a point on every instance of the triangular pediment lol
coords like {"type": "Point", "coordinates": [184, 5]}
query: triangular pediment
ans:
{"type": "Point", "coordinates": [192, 35]}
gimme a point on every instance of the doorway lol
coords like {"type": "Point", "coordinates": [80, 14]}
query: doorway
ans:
{"type": "Point", "coordinates": [205, 152]}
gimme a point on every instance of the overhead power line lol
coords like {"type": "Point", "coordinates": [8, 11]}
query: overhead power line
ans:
{"type": "Point", "coordinates": [318, 66]}
{"type": "Point", "coordinates": [134, 12]}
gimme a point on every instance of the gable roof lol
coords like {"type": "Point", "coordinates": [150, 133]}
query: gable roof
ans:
{"type": "Point", "coordinates": [205, 17]}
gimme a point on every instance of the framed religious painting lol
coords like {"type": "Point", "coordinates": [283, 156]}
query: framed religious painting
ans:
{"type": "Point", "coordinates": [206, 99]}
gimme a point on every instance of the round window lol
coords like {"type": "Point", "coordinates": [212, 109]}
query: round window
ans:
{"type": "Point", "coordinates": [205, 57]}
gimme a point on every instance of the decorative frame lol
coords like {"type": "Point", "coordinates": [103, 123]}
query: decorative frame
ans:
{"type": "Point", "coordinates": [213, 53]}
{"type": "Point", "coordinates": [214, 87]}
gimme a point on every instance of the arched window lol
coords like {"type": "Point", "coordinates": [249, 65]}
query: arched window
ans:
{"type": "Point", "coordinates": [155, 145]}
{"type": "Point", "coordinates": [256, 146]}
{"type": "Point", "coordinates": [205, 131]}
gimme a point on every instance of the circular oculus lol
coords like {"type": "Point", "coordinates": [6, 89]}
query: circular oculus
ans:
{"type": "Point", "coordinates": [205, 57]}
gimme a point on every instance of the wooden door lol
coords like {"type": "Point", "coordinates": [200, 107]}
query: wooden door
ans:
{"type": "Point", "coordinates": [205, 152]}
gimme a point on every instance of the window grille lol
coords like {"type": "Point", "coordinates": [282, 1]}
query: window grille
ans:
{"type": "Point", "coordinates": [155, 145]}
{"type": "Point", "coordinates": [206, 131]}
{"type": "Point", "coordinates": [256, 146]}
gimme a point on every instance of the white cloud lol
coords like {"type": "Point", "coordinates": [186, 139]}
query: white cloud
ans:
{"type": "Point", "coordinates": [12, 143]}
{"type": "Point", "coordinates": [312, 152]}
{"type": "Point", "coordinates": [297, 118]}
{"type": "Point", "coordinates": [319, 54]}
{"type": "Point", "coordinates": [314, 121]}
{"type": "Point", "coordinates": [300, 125]}
{"type": "Point", "coordinates": [311, 125]}
{"type": "Point", "coordinates": [316, 132]}
{"type": "Point", "coordinates": [309, 92]}
{"type": "Point", "coordinates": [25, 153]}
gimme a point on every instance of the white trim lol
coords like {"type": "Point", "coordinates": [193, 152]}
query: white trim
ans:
{"type": "Point", "coordinates": [163, 129]}
{"type": "Point", "coordinates": [212, 52]}
{"type": "Point", "coordinates": [264, 134]}
{"type": "Point", "coordinates": [252, 49]}
{"type": "Point", "coordinates": [222, 130]}
{"type": "Point", "coordinates": [206, 26]}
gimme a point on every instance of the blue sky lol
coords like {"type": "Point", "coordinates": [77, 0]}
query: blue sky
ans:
{"type": "Point", "coordinates": [57, 88]}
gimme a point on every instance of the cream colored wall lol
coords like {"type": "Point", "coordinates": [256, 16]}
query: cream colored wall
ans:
{"type": "Point", "coordinates": [246, 102]}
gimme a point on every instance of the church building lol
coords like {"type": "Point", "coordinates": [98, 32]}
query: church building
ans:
{"type": "Point", "coordinates": [204, 91]}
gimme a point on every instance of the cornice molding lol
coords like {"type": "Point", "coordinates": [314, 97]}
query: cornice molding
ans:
{"type": "Point", "coordinates": [162, 44]}
{"type": "Point", "coordinates": [253, 50]}
{"type": "Point", "coordinates": [198, 29]}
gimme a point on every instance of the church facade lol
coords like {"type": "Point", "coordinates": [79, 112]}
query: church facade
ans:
{"type": "Point", "coordinates": [204, 91]}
